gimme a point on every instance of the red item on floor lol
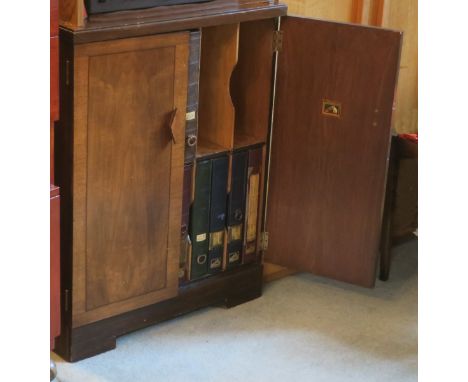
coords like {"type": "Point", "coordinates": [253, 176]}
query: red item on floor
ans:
{"type": "Point", "coordinates": [409, 137]}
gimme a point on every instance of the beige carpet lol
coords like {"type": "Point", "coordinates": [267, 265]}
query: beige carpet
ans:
{"type": "Point", "coordinates": [304, 328]}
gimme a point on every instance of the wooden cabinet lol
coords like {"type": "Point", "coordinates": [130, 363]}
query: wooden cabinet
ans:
{"type": "Point", "coordinates": [317, 95]}
{"type": "Point", "coordinates": [127, 173]}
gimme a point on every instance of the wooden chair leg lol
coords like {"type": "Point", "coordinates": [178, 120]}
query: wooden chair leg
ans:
{"type": "Point", "coordinates": [386, 235]}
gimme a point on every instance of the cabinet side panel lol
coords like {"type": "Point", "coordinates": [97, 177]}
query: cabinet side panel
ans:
{"type": "Point", "coordinates": [334, 102]}
{"type": "Point", "coordinates": [251, 82]}
{"type": "Point", "coordinates": [54, 268]}
{"type": "Point", "coordinates": [63, 177]}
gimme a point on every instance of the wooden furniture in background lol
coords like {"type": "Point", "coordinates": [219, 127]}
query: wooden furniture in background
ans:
{"type": "Point", "coordinates": [54, 191]}
{"type": "Point", "coordinates": [401, 200]}
{"type": "Point", "coordinates": [120, 161]}
{"type": "Point", "coordinates": [405, 215]}
{"type": "Point", "coordinates": [54, 264]}
{"type": "Point", "coordinates": [54, 96]}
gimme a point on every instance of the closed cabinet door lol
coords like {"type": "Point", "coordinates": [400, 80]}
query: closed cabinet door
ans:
{"type": "Point", "coordinates": [129, 102]}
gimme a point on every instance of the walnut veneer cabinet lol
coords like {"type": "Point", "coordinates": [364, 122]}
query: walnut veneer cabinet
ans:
{"type": "Point", "coordinates": [318, 94]}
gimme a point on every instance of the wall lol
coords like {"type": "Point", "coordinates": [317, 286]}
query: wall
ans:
{"type": "Point", "coordinates": [393, 14]}
{"type": "Point", "coordinates": [339, 10]}
{"type": "Point", "coordinates": [403, 15]}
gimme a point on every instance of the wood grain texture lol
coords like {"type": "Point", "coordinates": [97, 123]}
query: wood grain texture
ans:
{"type": "Point", "coordinates": [328, 174]}
{"type": "Point", "coordinates": [172, 18]}
{"type": "Point", "coordinates": [394, 14]}
{"type": "Point", "coordinates": [128, 170]}
{"type": "Point", "coordinates": [208, 149]}
{"type": "Point", "coordinates": [244, 140]}
{"type": "Point", "coordinates": [127, 173]}
{"type": "Point", "coordinates": [72, 13]}
{"type": "Point", "coordinates": [219, 51]}
{"type": "Point", "coordinates": [54, 79]}
{"type": "Point", "coordinates": [52, 153]}
{"type": "Point", "coordinates": [229, 289]}
{"type": "Point", "coordinates": [63, 170]}
{"type": "Point", "coordinates": [78, 191]}
{"type": "Point", "coordinates": [54, 264]}
{"type": "Point", "coordinates": [54, 17]}
{"type": "Point", "coordinates": [272, 272]}
{"type": "Point", "coordinates": [251, 81]}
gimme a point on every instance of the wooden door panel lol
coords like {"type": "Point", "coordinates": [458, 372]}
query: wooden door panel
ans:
{"type": "Point", "coordinates": [128, 173]}
{"type": "Point", "coordinates": [129, 154]}
{"type": "Point", "coordinates": [328, 171]}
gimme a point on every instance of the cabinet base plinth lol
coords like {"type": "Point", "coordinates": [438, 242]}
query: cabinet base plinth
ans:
{"type": "Point", "coordinates": [227, 289]}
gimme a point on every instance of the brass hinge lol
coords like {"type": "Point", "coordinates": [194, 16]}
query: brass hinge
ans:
{"type": "Point", "coordinates": [264, 241]}
{"type": "Point", "coordinates": [277, 41]}
{"type": "Point", "coordinates": [66, 300]}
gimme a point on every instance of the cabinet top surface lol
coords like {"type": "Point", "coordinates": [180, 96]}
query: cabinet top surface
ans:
{"type": "Point", "coordinates": [172, 18]}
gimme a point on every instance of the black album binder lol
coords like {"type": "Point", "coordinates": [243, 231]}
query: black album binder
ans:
{"type": "Point", "coordinates": [200, 219]}
{"type": "Point", "coordinates": [219, 179]}
{"type": "Point", "coordinates": [191, 117]}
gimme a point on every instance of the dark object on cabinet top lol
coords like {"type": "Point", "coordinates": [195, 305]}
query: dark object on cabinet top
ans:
{"type": "Point", "coordinates": [104, 6]}
{"type": "Point", "coordinates": [142, 22]}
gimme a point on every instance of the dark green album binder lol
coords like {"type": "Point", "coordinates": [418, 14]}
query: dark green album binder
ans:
{"type": "Point", "coordinates": [219, 179]}
{"type": "Point", "coordinates": [200, 219]}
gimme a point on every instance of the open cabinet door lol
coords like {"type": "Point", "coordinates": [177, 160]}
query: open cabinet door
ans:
{"type": "Point", "coordinates": [330, 145]}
